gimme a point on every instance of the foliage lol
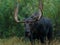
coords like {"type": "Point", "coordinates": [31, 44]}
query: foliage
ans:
{"type": "Point", "coordinates": [8, 27]}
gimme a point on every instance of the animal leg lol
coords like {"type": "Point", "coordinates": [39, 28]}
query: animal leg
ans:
{"type": "Point", "coordinates": [42, 40]}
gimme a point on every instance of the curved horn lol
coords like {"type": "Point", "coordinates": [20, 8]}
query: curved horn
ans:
{"type": "Point", "coordinates": [16, 13]}
{"type": "Point", "coordinates": [41, 8]}
{"type": "Point", "coordinates": [41, 5]}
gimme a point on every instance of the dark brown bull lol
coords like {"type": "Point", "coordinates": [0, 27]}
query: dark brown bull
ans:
{"type": "Point", "coordinates": [39, 29]}
{"type": "Point", "coordinates": [36, 26]}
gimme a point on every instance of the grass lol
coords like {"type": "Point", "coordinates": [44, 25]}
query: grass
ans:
{"type": "Point", "coordinates": [17, 41]}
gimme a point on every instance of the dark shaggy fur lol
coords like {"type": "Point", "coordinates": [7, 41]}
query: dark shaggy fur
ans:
{"type": "Point", "coordinates": [40, 30]}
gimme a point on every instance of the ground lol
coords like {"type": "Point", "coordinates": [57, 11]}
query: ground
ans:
{"type": "Point", "coordinates": [17, 41]}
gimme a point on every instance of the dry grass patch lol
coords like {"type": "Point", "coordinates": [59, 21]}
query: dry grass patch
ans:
{"type": "Point", "coordinates": [17, 41]}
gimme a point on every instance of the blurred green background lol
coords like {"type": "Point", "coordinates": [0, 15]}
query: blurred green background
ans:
{"type": "Point", "coordinates": [8, 26]}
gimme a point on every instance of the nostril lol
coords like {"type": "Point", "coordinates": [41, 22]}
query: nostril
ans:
{"type": "Point", "coordinates": [27, 33]}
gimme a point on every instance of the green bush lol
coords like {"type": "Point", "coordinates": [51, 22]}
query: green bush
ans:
{"type": "Point", "coordinates": [8, 27]}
